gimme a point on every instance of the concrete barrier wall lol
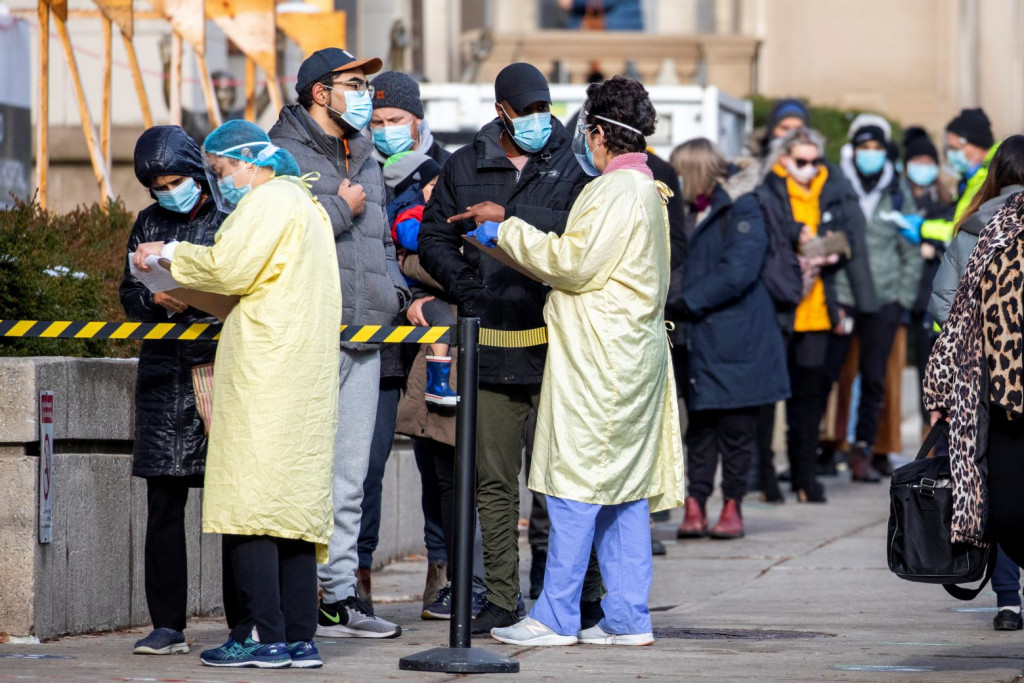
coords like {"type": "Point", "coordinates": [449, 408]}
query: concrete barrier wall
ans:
{"type": "Point", "coordinates": [90, 578]}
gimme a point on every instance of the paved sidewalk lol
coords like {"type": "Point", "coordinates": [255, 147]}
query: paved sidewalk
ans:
{"type": "Point", "coordinates": [804, 597]}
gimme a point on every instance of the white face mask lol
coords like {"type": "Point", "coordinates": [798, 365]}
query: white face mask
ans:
{"type": "Point", "coordinates": [802, 175]}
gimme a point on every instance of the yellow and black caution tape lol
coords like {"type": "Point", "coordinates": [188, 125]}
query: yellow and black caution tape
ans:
{"type": "Point", "coordinates": [380, 334]}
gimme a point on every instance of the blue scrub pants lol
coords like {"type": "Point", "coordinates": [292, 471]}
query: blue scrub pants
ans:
{"type": "Point", "coordinates": [622, 535]}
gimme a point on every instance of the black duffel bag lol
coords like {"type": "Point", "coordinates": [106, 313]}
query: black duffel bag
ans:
{"type": "Point", "coordinates": [920, 519]}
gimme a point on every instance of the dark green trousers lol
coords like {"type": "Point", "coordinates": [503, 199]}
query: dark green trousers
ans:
{"type": "Point", "coordinates": [502, 414]}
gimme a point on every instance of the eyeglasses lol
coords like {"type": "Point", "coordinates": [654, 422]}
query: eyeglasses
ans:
{"type": "Point", "coordinates": [361, 87]}
{"type": "Point", "coordinates": [800, 163]}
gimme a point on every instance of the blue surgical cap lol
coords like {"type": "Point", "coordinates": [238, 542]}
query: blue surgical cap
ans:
{"type": "Point", "coordinates": [248, 142]}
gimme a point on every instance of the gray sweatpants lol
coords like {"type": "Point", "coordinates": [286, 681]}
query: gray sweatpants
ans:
{"type": "Point", "coordinates": [358, 388]}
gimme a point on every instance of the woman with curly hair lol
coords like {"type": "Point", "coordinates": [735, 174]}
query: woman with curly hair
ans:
{"type": "Point", "coordinates": [607, 448]}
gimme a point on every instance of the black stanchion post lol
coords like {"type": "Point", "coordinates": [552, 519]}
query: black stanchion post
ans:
{"type": "Point", "coordinates": [459, 656]}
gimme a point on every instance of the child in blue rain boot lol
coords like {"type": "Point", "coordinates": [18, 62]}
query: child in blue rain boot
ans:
{"type": "Point", "coordinates": [410, 176]}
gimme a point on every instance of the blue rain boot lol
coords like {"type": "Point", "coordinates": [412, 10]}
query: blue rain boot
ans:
{"type": "Point", "coordinates": [438, 392]}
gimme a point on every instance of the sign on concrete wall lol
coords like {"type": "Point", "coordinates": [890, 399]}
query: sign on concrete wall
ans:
{"type": "Point", "coordinates": [45, 466]}
{"type": "Point", "coordinates": [15, 111]}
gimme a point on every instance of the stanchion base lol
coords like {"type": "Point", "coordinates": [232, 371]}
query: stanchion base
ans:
{"type": "Point", "coordinates": [459, 660]}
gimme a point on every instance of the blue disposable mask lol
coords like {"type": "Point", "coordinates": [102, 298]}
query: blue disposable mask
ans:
{"type": "Point", "coordinates": [391, 140]}
{"type": "Point", "coordinates": [922, 174]}
{"type": "Point", "coordinates": [358, 109]}
{"type": "Point", "coordinates": [958, 160]}
{"type": "Point", "coordinates": [181, 199]}
{"type": "Point", "coordinates": [870, 161]}
{"type": "Point", "coordinates": [230, 192]}
{"type": "Point", "coordinates": [532, 131]}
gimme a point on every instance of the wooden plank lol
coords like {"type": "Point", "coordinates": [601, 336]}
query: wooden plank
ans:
{"type": "Point", "coordinates": [119, 12]}
{"type": "Point", "coordinates": [59, 8]}
{"type": "Point", "coordinates": [43, 120]}
{"type": "Point", "coordinates": [250, 90]}
{"type": "Point", "coordinates": [175, 103]}
{"type": "Point", "coordinates": [186, 18]}
{"type": "Point", "coordinates": [211, 101]}
{"type": "Point", "coordinates": [313, 31]}
{"type": "Point", "coordinates": [251, 26]}
{"type": "Point", "coordinates": [140, 86]}
{"type": "Point", "coordinates": [99, 165]}
{"type": "Point", "coordinates": [107, 70]}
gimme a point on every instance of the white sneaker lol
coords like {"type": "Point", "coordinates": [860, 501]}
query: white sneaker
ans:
{"type": "Point", "coordinates": [352, 618]}
{"type": "Point", "coordinates": [530, 632]}
{"type": "Point", "coordinates": [595, 635]}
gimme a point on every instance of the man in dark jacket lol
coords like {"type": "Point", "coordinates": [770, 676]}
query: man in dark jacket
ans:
{"type": "Point", "coordinates": [520, 164]}
{"type": "Point", "coordinates": [170, 440]}
{"type": "Point", "coordinates": [324, 134]}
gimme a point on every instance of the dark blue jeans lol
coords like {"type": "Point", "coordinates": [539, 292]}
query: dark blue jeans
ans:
{"type": "Point", "coordinates": [1006, 581]}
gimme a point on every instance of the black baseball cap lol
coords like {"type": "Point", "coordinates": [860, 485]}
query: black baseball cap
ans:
{"type": "Point", "coordinates": [332, 59]}
{"type": "Point", "coordinates": [521, 84]}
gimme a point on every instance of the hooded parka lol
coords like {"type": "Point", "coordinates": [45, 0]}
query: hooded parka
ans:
{"type": "Point", "coordinates": [169, 436]}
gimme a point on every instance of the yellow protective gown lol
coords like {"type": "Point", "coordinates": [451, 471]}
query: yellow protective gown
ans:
{"type": "Point", "coordinates": [271, 446]}
{"type": "Point", "coordinates": [608, 422]}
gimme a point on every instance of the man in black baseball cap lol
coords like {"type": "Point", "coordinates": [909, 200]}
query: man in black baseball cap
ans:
{"type": "Point", "coordinates": [324, 134]}
{"type": "Point", "coordinates": [519, 164]}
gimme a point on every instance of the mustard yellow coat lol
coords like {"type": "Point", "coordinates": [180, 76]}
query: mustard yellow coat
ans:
{"type": "Point", "coordinates": [608, 422]}
{"type": "Point", "coordinates": [271, 447]}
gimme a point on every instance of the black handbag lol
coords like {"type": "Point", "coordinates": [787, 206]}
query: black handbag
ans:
{"type": "Point", "coordinates": [920, 519]}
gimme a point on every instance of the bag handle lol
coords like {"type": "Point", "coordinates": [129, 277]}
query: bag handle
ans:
{"type": "Point", "coordinates": [938, 430]}
{"type": "Point", "coordinates": [970, 593]}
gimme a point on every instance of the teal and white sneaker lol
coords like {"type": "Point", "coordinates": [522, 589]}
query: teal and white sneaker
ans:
{"type": "Point", "coordinates": [248, 655]}
{"type": "Point", "coordinates": [305, 655]}
{"type": "Point", "coordinates": [162, 641]}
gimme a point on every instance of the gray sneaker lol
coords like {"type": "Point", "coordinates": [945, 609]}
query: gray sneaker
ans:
{"type": "Point", "coordinates": [353, 618]}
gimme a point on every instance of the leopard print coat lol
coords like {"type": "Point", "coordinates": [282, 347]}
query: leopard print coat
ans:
{"type": "Point", "coordinates": [956, 380]}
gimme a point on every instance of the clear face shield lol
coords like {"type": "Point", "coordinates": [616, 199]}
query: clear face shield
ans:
{"type": "Point", "coordinates": [579, 144]}
{"type": "Point", "coordinates": [230, 172]}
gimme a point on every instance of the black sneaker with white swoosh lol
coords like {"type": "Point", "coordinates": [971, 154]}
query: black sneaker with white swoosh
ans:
{"type": "Point", "coordinates": [353, 618]}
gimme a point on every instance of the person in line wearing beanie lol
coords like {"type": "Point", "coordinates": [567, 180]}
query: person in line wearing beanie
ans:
{"type": "Point", "coordinates": [936, 206]}
{"type": "Point", "coordinates": [397, 124]}
{"type": "Point", "coordinates": [170, 440]}
{"type": "Point", "coordinates": [324, 132]}
{"type": "Point", "coordinates": [969, 150]}
{"type": "Point", "coordinates": [520, 164]}
{"type": "Point", "coordinates": [896, 264]}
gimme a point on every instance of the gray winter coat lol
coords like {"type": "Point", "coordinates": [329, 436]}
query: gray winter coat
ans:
{"type": "Point", "coordinates": [954, 263]}
{"type": "Point", "coordinates": [373, 290]}
{"type": "Point", "coordinates": [896, 264]}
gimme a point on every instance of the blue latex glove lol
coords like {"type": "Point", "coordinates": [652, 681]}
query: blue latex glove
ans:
{"type": "Point", "coordinates": [912, 232]}
{"type": "Point", "coordinates": [486, 233]}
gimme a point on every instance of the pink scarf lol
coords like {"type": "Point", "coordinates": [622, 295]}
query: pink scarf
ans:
{"type": "Point", "coordinates": [631, 161]}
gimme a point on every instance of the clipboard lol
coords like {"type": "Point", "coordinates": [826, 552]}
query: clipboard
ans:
{"type": "Point", "coordinates": [215, 304]}
{"type": "Point", "coordinates": [501, 255]}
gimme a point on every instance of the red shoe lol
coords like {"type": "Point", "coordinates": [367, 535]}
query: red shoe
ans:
{"type": "Point", "coordinates": [695, 523]}
{"type": "Point", "coordinates": [730, 522]}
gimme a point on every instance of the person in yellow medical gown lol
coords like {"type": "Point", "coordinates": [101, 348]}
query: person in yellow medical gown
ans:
{"type": "Point", "coordinates": [271, 446]}
{"type": "Point", "coordinates": [608, 448]}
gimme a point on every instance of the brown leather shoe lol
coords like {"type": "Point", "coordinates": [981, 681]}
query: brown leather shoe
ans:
{"type": "Point", "coordinates": [730, 522]}
{"type": "Point", "coordinates": [860, 465]}
{"type": "Point", "coordinates": [695, 522]}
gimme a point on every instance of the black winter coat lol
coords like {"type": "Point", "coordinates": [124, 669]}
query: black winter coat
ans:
{"type": "Point", "coordinates": [501, 297]}
{"type": "Point", "coordinates": [169, 435]}
{"type": "Point", "coordinates": [734, 355]}
{"type": "Point", "coordinates": [840, 212]}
